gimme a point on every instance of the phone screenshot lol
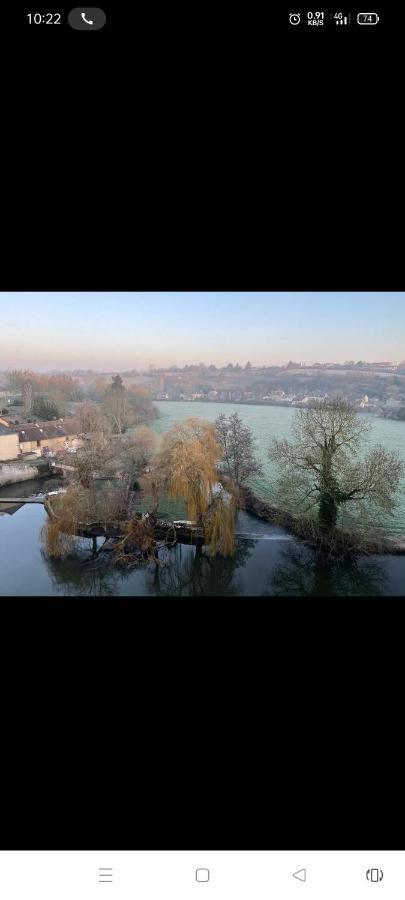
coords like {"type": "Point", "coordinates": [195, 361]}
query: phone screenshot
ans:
{"type": "Point", "coordinates": [202, 452]}
{"type": "Point", "coordinates": [141, 460]}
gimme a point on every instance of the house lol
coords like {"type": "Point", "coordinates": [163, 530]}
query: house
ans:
{"type": "Point", "coordinates": [5, 398]}
{"type": "Point", "coordinates": [55, 435]}
{"type": "Point", "coordinates": [9, 446]}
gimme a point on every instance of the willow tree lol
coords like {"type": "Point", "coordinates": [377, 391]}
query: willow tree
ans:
{"type": "Point", "coordinates": [188, 466]}
{"type": "Point", "coordinates": [64, 515]}
{"type": "Point", "coordinates": [323, 468]}
{"type": "Point", "coordinates": [77, 508]}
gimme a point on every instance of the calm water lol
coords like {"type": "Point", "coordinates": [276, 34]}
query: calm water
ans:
{"type": "Point", "coordinates": [267, 562]}
{"type": "Point", "coordinates": [267, 565]}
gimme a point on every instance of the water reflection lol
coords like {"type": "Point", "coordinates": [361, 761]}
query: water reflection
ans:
{"type": "Point", "coordinates": [299, 572]}
{"type": "Point", "coordinates": [187, 573]}
{"type": "Point", "coordinates": [73, 577]}
{"type": "Point", "coordinates": [31, 487]}
{"type": "Point", "coordinates": [296, 571]}
{"type": "Point", "coordinates": [190, 573]}
{"type": "Point", "coordinates": [267, 566]}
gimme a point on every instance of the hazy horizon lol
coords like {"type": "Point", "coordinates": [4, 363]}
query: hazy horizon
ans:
{"type": "Point", "coordinates": [122, 331]}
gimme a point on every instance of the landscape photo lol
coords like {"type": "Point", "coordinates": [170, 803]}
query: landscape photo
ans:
{"type": "Point", "coordinates": [196, 444]}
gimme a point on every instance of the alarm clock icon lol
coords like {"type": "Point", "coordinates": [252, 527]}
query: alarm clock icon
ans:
{"type": "Point", "coordinates": [295, 18]}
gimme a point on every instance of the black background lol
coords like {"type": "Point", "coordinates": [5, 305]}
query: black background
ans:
{"type": "Point", "coordinates": [190, 149]}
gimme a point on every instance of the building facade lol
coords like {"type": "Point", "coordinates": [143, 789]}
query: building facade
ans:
{"type": "Point", "coordinates": [9, 445]}
{"type": "Point", "coordinates": [33, 438]}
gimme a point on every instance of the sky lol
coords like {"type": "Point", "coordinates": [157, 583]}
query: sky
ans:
{"type": "Point", "coordinates": [119, 331]}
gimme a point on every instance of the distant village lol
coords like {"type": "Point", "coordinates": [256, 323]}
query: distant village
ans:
{"type": "Point", "coordinates": [375, 388]}
{"type": "Point", "coordinates": [280, 398]}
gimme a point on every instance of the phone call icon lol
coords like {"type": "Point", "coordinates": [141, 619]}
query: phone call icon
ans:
{"type": "Point", "coordinates": [87, 18]}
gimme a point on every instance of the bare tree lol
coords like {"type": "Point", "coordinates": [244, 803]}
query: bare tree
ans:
{"type": "Point", "coordinates": [136, 452]}
{"type": "Point", "coordinates": [17, 377]}
{"type": "Point", "coordinates": [91, 460]}
{"type": "Point", "coordinates": [116, 405]}
{"type": "Point", "coordinates": [92, 419]}
{"type": "Point", "coordinates": [321, 467]}
{"type": "Point", "coordinates": [237, 445]}
{"type": "Point", "coordinates": [27, 396]}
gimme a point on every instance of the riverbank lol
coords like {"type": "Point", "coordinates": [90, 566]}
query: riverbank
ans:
{"type": "Point", "coordinates": [16, 471]}
{"type": "Point", "coordinates": [306, 530]}
{"type": "Point", "coordinates": [14, 474]}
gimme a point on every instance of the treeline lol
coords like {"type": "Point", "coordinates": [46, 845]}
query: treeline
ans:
{"type": "Point", "coordinates": [64, 385]}
{"type": "Point", "coordinates": [46, 397]}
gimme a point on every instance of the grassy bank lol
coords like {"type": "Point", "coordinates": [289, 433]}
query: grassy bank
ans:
{"type": "Point", "coordinates": [337, 543]}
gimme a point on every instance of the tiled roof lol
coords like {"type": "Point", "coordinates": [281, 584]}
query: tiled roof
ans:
{"type": "Point", "coordinates": [31, 433]}
{"type": "Point", "coordinates": [40, 431]}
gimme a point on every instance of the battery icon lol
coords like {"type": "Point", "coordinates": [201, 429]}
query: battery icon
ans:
{"type": "Point", "coordinates": [368, 18]}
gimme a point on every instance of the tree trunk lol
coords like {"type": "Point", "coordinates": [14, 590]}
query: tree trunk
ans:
{"type": "Point", "coordinates": [328, 507]}
{"type": "Point", "coordinates": [328, 510]}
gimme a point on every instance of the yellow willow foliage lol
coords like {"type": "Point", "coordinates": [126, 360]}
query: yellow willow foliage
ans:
{"type": "Point", "coordinates": [140, 533]}
{"type": "Point", "coordinates": [219, 527]}
{"type": "Point", "coordinates": [57, 535]}
{"type": "Point", "coordinates": [56, 542]}
{"type": "Point", "coordinates": [188, 461]}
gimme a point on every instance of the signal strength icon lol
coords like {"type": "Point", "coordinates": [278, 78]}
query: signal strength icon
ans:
{"type": "Point", "coordinates": [342, 19]}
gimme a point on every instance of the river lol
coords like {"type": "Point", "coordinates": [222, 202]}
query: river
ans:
{"type": "Point", "coordinates": [268, 562]}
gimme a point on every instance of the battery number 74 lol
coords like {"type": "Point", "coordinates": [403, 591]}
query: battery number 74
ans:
{"type": "Point", "coordinates": [368, 18]}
